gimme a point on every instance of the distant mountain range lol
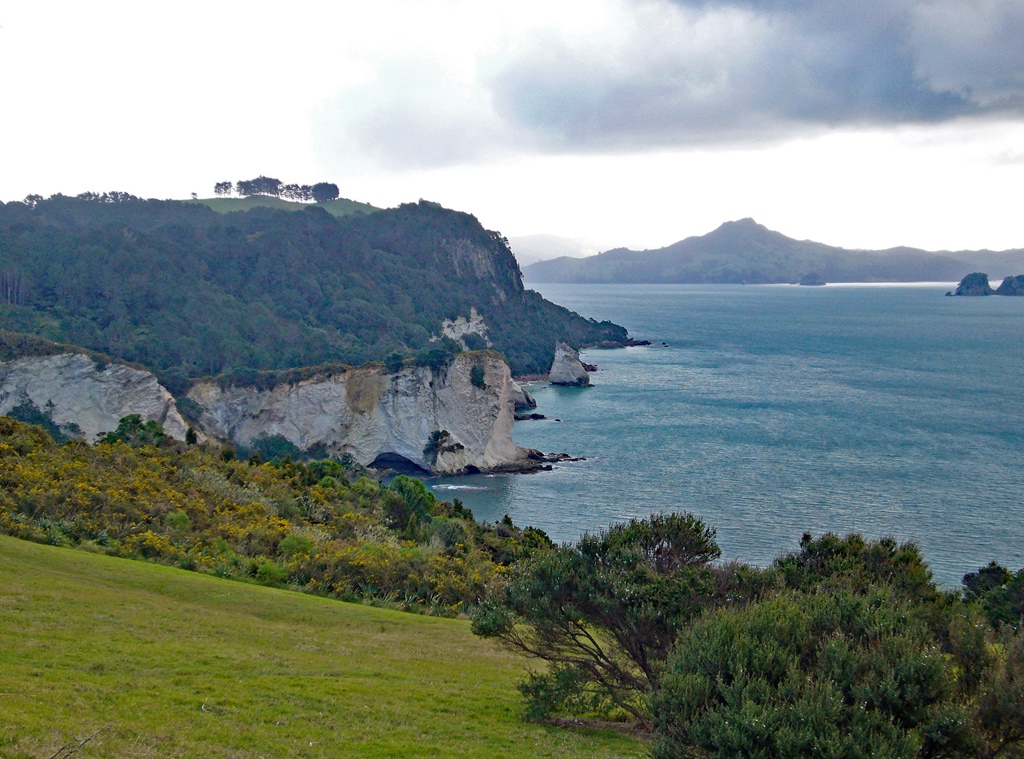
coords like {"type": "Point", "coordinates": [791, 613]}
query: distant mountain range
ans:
{"type": "Point", "coordinates": [529, 249]}
{"type": "Point", "coordinates": [745, 252]}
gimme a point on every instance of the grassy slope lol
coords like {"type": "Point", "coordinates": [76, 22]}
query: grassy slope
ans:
{"type": "Point", "coordinates": [338, 207]}
{"type": "Point", "coordinates": [187, 665]}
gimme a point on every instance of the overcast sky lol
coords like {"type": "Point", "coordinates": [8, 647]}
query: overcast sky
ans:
{"type": "Point", "coordinates": [862, 123]}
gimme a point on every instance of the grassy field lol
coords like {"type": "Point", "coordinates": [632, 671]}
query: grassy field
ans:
{"type": "Point", "coordinates": [338, 207]}
{"type": "Point", "coordinates": [186, 665]}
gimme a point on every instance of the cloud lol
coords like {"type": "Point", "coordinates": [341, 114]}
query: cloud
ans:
{"type": "Point", "coordinates": [678, 73]}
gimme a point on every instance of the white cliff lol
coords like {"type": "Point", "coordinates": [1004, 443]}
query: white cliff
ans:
{"type": "Point", "coordinates": [440, 421]}
{"type": "Point", "coordinates": [458, 329]}
{"type": "Point", "coordinates": [521, 398]}
{"type": "Point", "coordinates": [76, 391]}
{"type": "Point", "coordinates": [566, 369]}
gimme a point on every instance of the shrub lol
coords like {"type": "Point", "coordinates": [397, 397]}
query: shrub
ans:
{"type": "Point", "coordinates": [476, 376]}
{"type": "Point", "coordinates": [810, 675]}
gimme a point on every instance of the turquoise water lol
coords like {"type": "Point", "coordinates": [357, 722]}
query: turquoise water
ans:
{"type": "Point", "coordinates": [775, 410]}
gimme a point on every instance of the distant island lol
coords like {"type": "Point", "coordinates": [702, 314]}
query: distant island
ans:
{"type": "Point", "coordinates": [745, 252]}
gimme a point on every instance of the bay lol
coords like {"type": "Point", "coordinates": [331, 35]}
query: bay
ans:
{"type": "Point", "coordinates": [770, 411]}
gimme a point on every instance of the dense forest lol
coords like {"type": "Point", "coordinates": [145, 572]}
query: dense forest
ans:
{"type": "Point", "coordinates": [189, 292]}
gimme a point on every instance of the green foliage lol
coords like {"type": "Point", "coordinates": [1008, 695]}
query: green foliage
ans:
{"type": "Point", "coordinates": [131, 430]}
{"type": "Point", "coordinates": [605, 612]}
{"type": "Point", "coordinates": [324, 191]}
{"type": "Point", "coordinates": [188, 292]}
{"type": "Point", "coordinates": [1000, 593]}
{"type": "Point", "coordinates": [440, 442]}
{"type": "Point", "coordinates": [855, 563]}
{"type": "Point", "coordinates": [843, 648]}
{"type": "Point", "coordinates": [308, 526]}
{"type": "Point", "coordinates": [856, 653]}
{"type": "Point", "coordinates": [810, 675]}
{"type": "Point", "coordinates": [28, 412]}
{"type": "Point", "coordinates": [274, 448]}
{"type": "Point", "coordinates": [476, 376]}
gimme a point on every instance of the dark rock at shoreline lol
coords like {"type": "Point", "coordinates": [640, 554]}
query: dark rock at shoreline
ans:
{"type": "Point", "coordinates": [812, 279]}
{"type": "Point", "coordinates": [589, 367]}
{"type": "Point", "coordinates": [1012, 286]}
{"type": "Point", "coordinates": [536, 461]}
{"type": "Point", "coordinates": [529, 417]}
{"type": "Point", "coordinates": [974, 284]}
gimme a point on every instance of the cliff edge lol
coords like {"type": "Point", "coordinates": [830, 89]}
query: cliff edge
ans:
{"type": "Point", "coordinates": [85, 396]}
{"type": "Point", "coordinates": [452, 420]}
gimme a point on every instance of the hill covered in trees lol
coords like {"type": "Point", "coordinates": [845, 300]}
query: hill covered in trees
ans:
{"type": "Point", "coordinates": [745, 252]}
{"type": "Point", "coordinates": [188, 292]}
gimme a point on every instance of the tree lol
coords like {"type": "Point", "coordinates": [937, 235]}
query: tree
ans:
{"type": "Point", "coordinates": [324, 191]}
{"type": "Point", "coordinates": [261, 185]}
{"type": "Point", "coordinates": [131, 430]}
{"type": "Point", "coordinates": [605, 612]}
{"type": "Point", "coordinates": [1000, 593]}
{"type": "Point", "coordinates": [222, 188]}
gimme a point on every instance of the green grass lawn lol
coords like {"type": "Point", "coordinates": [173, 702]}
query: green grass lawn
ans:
{"type": "Point", "coordinates": [186, 665]}
{"type": "Point", "coordinates": [337, 207]}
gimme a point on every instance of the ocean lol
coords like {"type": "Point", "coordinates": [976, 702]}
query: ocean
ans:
{"type": "Point", "coordinates": [770, 411]}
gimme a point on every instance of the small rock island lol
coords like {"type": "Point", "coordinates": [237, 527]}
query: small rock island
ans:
{"type": "Point", "coordinates": [567, 369]}
{"type": "Point", "coordinates": [977, 284]}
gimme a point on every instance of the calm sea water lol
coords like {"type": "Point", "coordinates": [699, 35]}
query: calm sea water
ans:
{"type": "Point", "coordinates": [775, 410]}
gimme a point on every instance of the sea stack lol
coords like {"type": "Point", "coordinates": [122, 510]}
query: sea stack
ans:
{"type": "Point", "coordinates": [567, 369]}
{"type": "Point", "coordinates": [1012, 286]}
{"type": "Point", "coordinates": [974, 284]}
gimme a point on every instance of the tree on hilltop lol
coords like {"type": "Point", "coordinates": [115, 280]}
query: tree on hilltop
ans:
{"type": "Point", "coordinates": [302, 193]}
{"type": "Point", "coordinates": [324, 191]}
{"type": "Point", "coordinates": [223, 188]}
{"type": "Point", "coordinates": [261, 185]}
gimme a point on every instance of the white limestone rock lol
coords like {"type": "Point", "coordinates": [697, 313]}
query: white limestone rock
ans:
{"type": "Point", "coordinates": [440, 422]}
{"type": "Point", "coordinates": [458, 329]}
{"type": "Point", "coordinates": [74, 390]}
{"type": "Point", "coordinates": [566, 369]}
{"type": "Point", "coordinates": [522, 399]}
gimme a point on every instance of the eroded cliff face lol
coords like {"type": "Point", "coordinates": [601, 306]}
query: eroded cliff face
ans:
{"type": "Point", "coordinates": [77, 392]}
{"type": "Point", "coordinates": [440, 421]}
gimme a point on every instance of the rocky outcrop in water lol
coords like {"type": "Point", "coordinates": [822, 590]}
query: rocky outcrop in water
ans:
{"type": "Point", "coordinates": [974, 284]}
{"type": "Point", "coordinates": [567, 369]}
{"type": "Point", "coordinates": [441, 421]}
{"type": "Point", "coordinates": [522, 399]}
{"type": "Point", "coordinates": [978, 284]}
{"type": "Point", "coordinates": [1012, 286]}
{"type": "Point", "coordinates": [87, 397]}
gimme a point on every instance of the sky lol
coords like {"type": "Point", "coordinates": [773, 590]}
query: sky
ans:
{"type": "Point", "coordinates": [860, 123]}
